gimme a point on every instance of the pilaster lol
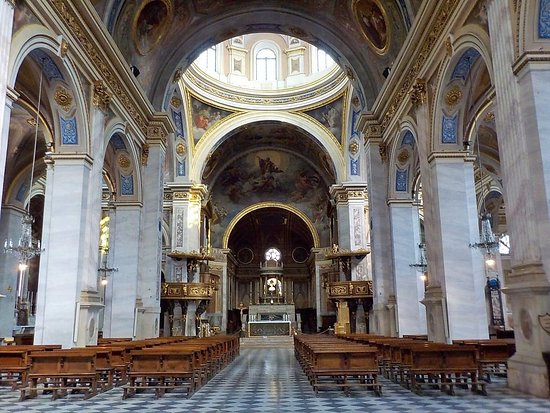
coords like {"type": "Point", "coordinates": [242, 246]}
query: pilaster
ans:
{"type": "Point", "coordinates": [6, 24]}
{"type": "Point", "coordinates": [522, 115]}
{"type": "Point", "coordinates": [409, 287]}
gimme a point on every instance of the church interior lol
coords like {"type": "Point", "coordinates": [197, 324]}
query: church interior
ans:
{"type": "Point", "coordinates": [251, 180]}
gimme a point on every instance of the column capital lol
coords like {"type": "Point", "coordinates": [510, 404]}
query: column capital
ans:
{"type": "Point", "coordinates": [451, 155]}
{"type": "Point", "coordinates": [101, 98]}
{"type": "Point", "coordinates": [343, 193]}
{"type": "Point", "coordinates": [189, 193]}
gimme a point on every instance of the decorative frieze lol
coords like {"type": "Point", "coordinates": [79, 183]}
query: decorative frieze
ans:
{"type": "Point", "coordinates": [418, 92]}
{"type": "Point", "coordinates": [186, 291]}
{"type": "Point", "coordinates": [349, 289]}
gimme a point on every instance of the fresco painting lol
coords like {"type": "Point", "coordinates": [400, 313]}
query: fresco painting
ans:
{"type": "Point", "coordinates": [150, 25]}
{"type": "Point", "coordinates": [371, 17]}
{"type": "Point", "coordinates": [204, 116]}
{"type": "Point", "coordinates": [330, 116]}
{"type": "Point", "coordinates": [269, 175]}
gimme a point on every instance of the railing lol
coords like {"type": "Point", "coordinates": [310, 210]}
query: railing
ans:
{"type": "Point", "coordinates": [349, 289]}
{"type": "Point", "coordinates": [186, 291]}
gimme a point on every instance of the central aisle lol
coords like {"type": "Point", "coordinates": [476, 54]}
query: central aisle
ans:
{"type": "Point", "coordinates": [266, 378]}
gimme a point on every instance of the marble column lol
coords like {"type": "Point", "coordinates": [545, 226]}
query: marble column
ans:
{"type": "Point", "coordinates": [6, 24]}
{"type": "Point", "coordinates": [186, 236]}
{"type": "Point", "coordinates": [409, 287]}
{"type": "Point", "coordinates": [10, 228]}
{"type": "Point", "coordinates": [453, 265]}
{"type": "Point", "coordinates": [150, 255]}
{"type": "Point", "coordinates": [64, 269]}
{"type": "Point", "coordinates": [380, 230]}
{"type": "Point", "coordinates": [522, 121]}
{"type": "Point", "coordinates": [121, 291]}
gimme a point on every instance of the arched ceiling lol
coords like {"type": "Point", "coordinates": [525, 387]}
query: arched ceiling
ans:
{"type": "Point", "coordinates": [270, 227]}
{"type": "Point", "coordinates": [268, 135]}
{"type": "Point", "coordinates": [160, 36]}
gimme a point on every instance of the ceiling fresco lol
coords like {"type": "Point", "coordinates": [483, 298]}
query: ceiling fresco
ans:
{"type": "Point", "coordinates": [158, 36]}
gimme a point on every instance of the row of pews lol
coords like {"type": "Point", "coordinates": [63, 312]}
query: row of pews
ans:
{"type": "Point", "coordinates": [414, 362]}
{"type": "Point", "coordinates": [329, 361]}
{"type": "Point", "coordinates": [159, 364]}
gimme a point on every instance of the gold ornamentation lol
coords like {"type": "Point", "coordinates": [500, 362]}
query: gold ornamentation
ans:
{"type": "Point", "coordinates": [453, 96]}
{"type": "Point", "coordinates": [383, 151]}
{"type": "Point", "coordinates": [354, 147]}
{"type": "Point", "coordinates": [449, 47]}
{"type": "Point", "coordinates": [101, 98]}
{"type": "Point", "coordinates": [350, 289]}
{"type": "Point", "coordinates": [177, 75]}
{"type": "Point", "coordinates": [355, 101]}
{"type": "Point", "coordinates": [76, 27]}
{"type": "Point", "coordinates": [32, 122]}
{"type": "Point", "coordinates": [490, 117]}
{"type": "Point", "coordinates": [63, 48]}
{"type": "Point", "coordinates": [180, 149]}
{"type": "Point", "coordinates": [155, 131]}
{"type": "Point", "coordinates": [175, 101]}
{"type": "Point", "coordinates": [418, 92]}
{"type": "Point", "coordinates": [167, 196]}
{"type": "Point", "coordinates": [124, 161]}
{"type": "Point", "coordinates": [63, 98]}
{"type": "Point", "coordinates": [403, 156]}
{"type": "Point", "coordinates": [144, 154]}
{"type": "Point", "coordinates": [442, 16]}
{"type": "Point", "coordinates": [349, 73]}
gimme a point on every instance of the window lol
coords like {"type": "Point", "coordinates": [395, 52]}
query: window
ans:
{"type": "Point", "coordinates": [504, 244]}
{"type": "Point", "coordinates": [207, 59]}
{"type": "Point", "coordinates": [266, 65]}
{"type": "Point", "coordinates": [321, 60]}
{"type": "Point", "coordinates": [273, 254]}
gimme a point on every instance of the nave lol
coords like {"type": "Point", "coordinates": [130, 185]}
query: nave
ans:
{"type": "Point", "coordinates": [267, 378]}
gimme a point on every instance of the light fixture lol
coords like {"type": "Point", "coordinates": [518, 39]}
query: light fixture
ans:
{"type": "Point", "coordinates": [27, 246]}
{"type": "Point", "coordinates": [488, 243]}
{"type": "Point", "coordinates": [422, 265]}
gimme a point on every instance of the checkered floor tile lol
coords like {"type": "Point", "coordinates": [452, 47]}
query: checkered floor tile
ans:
{"type": "Point", "coordinates": [270, 380]}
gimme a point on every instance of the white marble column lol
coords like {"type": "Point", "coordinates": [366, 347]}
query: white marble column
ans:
{"type": "Point", "coordinates": [6, 24]}
{"type": "Point", "coordinates": [522, 120]}
{"type": "Point", "coordinates": [384, 293]}
{"type": "Point", "coordinates": [121, 291]}
{"type": "Point", "coordinates": [452, 263]}
{"type": "Point", "coordinates": [150, 252]}
{"type": "Point", "coordinates": [409, 287]}
{"type": "Point", "coordinates": [64, 270]}
{"type": "Point", "coordinates": [10, 228]}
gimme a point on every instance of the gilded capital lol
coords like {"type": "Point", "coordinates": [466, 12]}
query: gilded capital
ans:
{"type": "Point", "coordinates": [101, 97]}
{"type": "Point", "coordinates": [418, 92]}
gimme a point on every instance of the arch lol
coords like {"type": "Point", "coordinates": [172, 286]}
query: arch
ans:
{"type": "Point", "coordinates": [116, 128]}
{"type": "Point", "coordinates": [471, 44]}
{"type": "Point", "coordinates": [261, 205]}
{"type": "Point", "coordinates": [404, 163]}
{"type": "Point", "coordinates": [213, 137]}
{"type": "Point", "coordinates": [33, 37]}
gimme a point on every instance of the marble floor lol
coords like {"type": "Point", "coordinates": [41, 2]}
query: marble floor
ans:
{"type": "Point", "coordinates": [270, 380]}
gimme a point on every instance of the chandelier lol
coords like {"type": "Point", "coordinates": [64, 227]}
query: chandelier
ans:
{"type": "Point", "coordinates": [27, 247]}
{"type": "Point", "coordinates": [422, 264]}
{"type": "Point", "coordinates": [488, 243]}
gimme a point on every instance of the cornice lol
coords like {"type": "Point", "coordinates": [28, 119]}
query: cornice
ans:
{"type": "Point", "coordinates": [295, 98]}
{"type": "Point", "coordinates": [87, 34]}
{"type": "Point", "coordinates": [427, 33]}
{"type": "Point", "coordinates": [459, 155]}
{"type": "Point", "coordinates": [542, 56]}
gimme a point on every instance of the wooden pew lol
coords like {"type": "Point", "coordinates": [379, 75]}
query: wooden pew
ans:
{"type": "Point", "coordinates": [59, 371]}
{"type": "Point", "coordinates": [332, 362]}
{"type": "Point", "coordinates": [441, 365]}
{"type": "Point", "coordinates": [492, 355]}
{"type": "Point", "coordinates": [14, 362]}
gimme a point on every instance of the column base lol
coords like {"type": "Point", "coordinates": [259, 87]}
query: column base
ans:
{"type": "Point", "coordinates": [88, 322]}
{"type": "Point", "coordinates": [382, 320]}
{"type": "Point", "coordinates": [436, 314]}
{"type": "Point", "coordinates": [529, 375]}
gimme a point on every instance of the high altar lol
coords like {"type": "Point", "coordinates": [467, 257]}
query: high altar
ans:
{"type": "Point", "coordinates": [273, 316]}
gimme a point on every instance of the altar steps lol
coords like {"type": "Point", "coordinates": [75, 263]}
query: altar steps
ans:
{"type": "Point", "coordinates": [267, 342]}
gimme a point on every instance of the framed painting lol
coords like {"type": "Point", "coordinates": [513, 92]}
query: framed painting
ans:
{"type": "Point", "coordinates": [374, 24]}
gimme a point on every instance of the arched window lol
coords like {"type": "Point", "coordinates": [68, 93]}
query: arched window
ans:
{"type": "Point", "coordinates": [321, 60]}
{"type": "Point", "coordinates": [266, 65]}
{"type": "Point", "coordinates": [207, 59]}
{"type": "Point", "coordinates": [273, 254]}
